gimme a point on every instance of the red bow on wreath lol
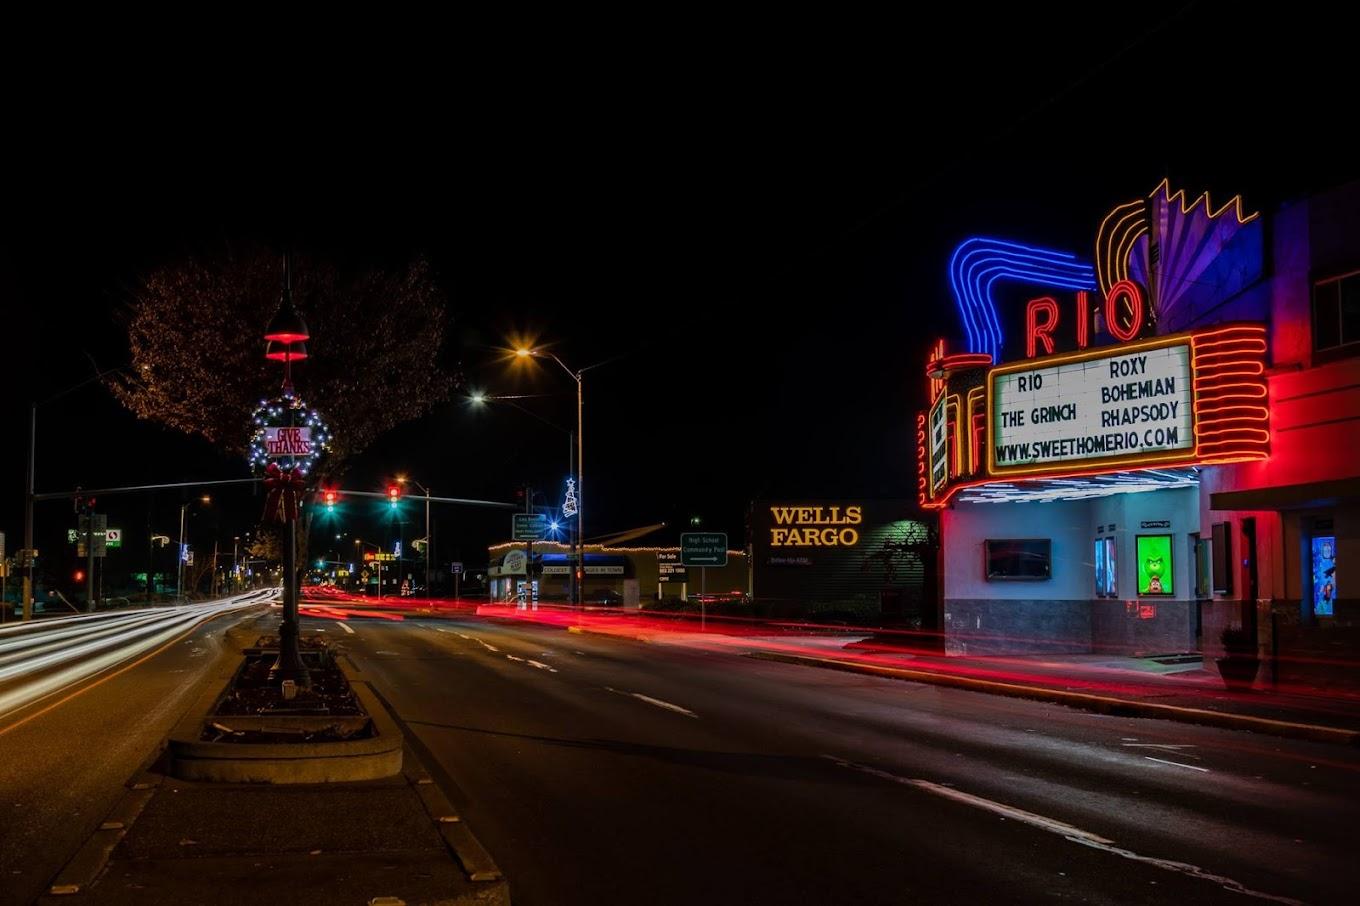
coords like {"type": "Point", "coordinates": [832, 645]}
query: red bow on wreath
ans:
{"type": "Point", "coordinates": [285, 489]}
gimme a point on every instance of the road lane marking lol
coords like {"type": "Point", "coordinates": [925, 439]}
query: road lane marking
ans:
{"type": "Point", "coordinates": [653, 701]}
{"type": "Point", "coordinates": [1176, 763]}
{"type": "Point", "coordinates": [344, 626]}
{"type": "Point", "coordinates": [485, 645]}
{"type": "Point", "coordinates": [1065, 830]}
{"type": "Point", "coordinates": [662, 704]}
{"type": "Point", "coordinates": [461, 636]}
{"type": "Point", "coordinates": [541, 666]}
{"type": "Point", "coordinates": [513, 658]}
{"type": "Point", "coordinates": [1157, 745]}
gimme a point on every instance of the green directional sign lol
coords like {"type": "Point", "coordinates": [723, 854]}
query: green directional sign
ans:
{"type": "Point", "coordinates": [703, 548]}
{"type": "Point", "coordinates": [529, 527]}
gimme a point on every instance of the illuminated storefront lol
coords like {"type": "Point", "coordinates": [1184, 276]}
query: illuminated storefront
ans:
{"type": "Point", "coordinates": [614, 576]}
{"type": "Point", "coordinates": [1140, 448]}
{"type": "Point", "coordinates": [859, 560]}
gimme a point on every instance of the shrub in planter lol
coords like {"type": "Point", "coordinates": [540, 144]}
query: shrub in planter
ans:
{"type": "Point", "coordinates": [1239, 663]}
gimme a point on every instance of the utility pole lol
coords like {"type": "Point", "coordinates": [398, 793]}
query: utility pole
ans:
{"type": "Point", "coordinates": [28, 511]}
{"type": "Point", "coordinates": [528, 548]}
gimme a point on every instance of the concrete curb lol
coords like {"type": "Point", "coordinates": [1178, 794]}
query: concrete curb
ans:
{"type": "Point", "coordinates": [91, 859]}
{"type": "Point", "coordinates": [1119, 707]}
{"type": "Point", "coordinates": [321, 762]}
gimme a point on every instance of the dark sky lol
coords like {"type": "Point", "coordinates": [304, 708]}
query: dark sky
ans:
{"type": "Point", "coordinates": [753, 225]}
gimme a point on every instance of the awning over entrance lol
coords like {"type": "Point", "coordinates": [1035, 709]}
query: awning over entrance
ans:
{"type": "Point", "coordinates": [1289, 497]}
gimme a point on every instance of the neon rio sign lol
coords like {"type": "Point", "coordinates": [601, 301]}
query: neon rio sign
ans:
{"type": "Point", "coordinates": [1194, 397]}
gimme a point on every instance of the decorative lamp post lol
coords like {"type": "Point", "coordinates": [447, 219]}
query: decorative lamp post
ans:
{"type": "Point", "coordinates": [288, 439]}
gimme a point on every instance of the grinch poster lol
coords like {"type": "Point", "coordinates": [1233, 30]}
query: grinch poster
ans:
{"type": "Point", "coordinates": [1154, 565]}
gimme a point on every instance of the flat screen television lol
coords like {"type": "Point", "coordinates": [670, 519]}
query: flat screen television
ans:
{"type": "Point", "coordinates": [1019, 558]}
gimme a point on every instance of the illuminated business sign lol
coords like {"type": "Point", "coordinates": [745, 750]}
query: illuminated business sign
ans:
{"type": "Point", "coordinates": [815, 526]}
{"type": "Point", "coordinates": [939, 461]}
{"type": "Point", "coordinates": [1110, 406]}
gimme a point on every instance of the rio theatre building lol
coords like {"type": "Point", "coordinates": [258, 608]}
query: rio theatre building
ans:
{"type": "Point", "coordinates": [1141, 446]}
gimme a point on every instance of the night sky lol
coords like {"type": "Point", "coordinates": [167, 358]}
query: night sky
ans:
{"type": "Point", "coordinates": [751, 226]}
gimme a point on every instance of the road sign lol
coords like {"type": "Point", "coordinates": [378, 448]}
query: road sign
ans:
{"type": "Point", "coordinates": [456, 568]}
{"type": "Point", "coordinates": [113, 537]}
{"type": "Point", "coordinates": [73, 535]}
{"type": "Point", "coordinates": [669, 568]}
{"type": "Point", "coordinates": [528, 527]}
{"type": "Point", "coordinates": [703, 548]}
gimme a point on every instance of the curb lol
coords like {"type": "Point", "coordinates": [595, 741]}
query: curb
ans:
{"type": "Point", "coordinates": [1118, 707]}
{"type": "Point", "coordinates": [90, 860]}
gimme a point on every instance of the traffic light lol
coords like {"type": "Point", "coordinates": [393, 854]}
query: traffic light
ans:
{"type": "Point", "coordinates": [79, 575]}
{"type": "Point", "coordinates": [393, 494]}
{"type": "Point", "coordinates": [330, 497]}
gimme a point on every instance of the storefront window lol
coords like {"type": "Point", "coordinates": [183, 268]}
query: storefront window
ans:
{"type": "Point", "coordinates": [1155, 576]}
{"type": "Point", "coordinates": [1107, 579]}
{"type": "Point", "coordinates": [1324, 574]}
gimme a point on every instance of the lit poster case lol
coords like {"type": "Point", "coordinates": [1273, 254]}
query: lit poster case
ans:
{"type": "Point", "coordinates": [1155, 573]}
{"type": "Point", "coordinates": [1107, 569]}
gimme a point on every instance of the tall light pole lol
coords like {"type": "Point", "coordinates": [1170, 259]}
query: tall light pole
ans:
{"type": "Point", "coordinates": [429, 542]}
{"type": "Point", "coordinates": [31, 495]}
{"type": "Point", "coordinates": [183, 509]}
{"type": "Point", "coordinates": [479, 398]}
{"type": "Point", "coordinates": [577, 376]}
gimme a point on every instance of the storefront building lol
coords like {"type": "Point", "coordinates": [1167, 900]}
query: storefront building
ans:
{"type": "Point", "coordinates": [1142, 447]}
{"type": "Point", "coordinates": [858, 560]}
{"type": "Point", "coordinates": [613, 576]}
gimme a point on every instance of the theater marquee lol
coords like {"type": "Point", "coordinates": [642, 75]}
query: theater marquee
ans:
{"type": "Point", "coordinates": [1119, 404]}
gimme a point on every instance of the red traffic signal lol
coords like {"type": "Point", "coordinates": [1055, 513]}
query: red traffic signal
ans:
{"type": "Point", "coordinates": [393, 494]}
{"type": "Point", "coordinates": [330, 497]}
{"type": "Point", "coordinates": [79, 575]}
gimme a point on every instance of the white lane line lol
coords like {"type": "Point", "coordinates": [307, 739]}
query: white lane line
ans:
{"type": "Point", "coordinates": [1157, 745]}
{"type": "Point", "coordinates": [542, 666]}
{"type": "Point", "coordinates": [1177, 764]}
{"type": "Point", "coordinates": [440, 629]}
{"type": "Point", "coordinates": [652, 701]}
{"type": "Point", "coordinates": [461, 636]}
{"type": "Point", "coordinates": [513, 658]}
{"type": "Point", "coordinates": [1065, 830]}
{"type": "Point", "coordinates": [660, 704]}
{"type": "Point", "coordinates": [344, 626]}
{"type": "Point", "coordinates": [486, 646]}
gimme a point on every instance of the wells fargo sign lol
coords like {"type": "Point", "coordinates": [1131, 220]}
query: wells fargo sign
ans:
{"type": "Point", "coordinates": [815, 526]}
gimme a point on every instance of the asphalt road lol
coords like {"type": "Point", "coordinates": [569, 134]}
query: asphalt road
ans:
{"type": "Point", "coordinates": [600, 770]}
{"type": "Point", "coordinates": [76, 729]}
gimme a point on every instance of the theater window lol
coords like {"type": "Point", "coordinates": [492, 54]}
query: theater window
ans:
{"type": "Point", "coordinates": [1336, 315]}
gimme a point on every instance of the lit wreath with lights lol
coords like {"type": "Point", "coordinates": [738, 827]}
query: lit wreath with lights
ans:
{"type": "Point", "coordinates": [287, 412]}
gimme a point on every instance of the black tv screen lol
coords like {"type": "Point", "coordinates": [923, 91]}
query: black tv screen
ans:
{"type": "Point", "coordinates": [1019, 558]}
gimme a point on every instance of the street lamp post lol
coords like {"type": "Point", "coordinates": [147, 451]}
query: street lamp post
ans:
{"type": "Point", "coordinates": [578, 568]}
{"type": "Point", "coordinates": [30, 497]}
{"type": "Point", "coordinates": [429, 541]}
{"type": "Point", "coordinates": [480, 398]}
{"type": "Point", "coordinates": [285, 341]}
{"type": "Point", "coordinates": [179, 578]}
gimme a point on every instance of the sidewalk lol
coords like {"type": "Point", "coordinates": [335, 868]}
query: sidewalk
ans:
{"type": "Point", "coordinates": [1171, 687]}
{"type": "Point", "coordinates": [384, 841]}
